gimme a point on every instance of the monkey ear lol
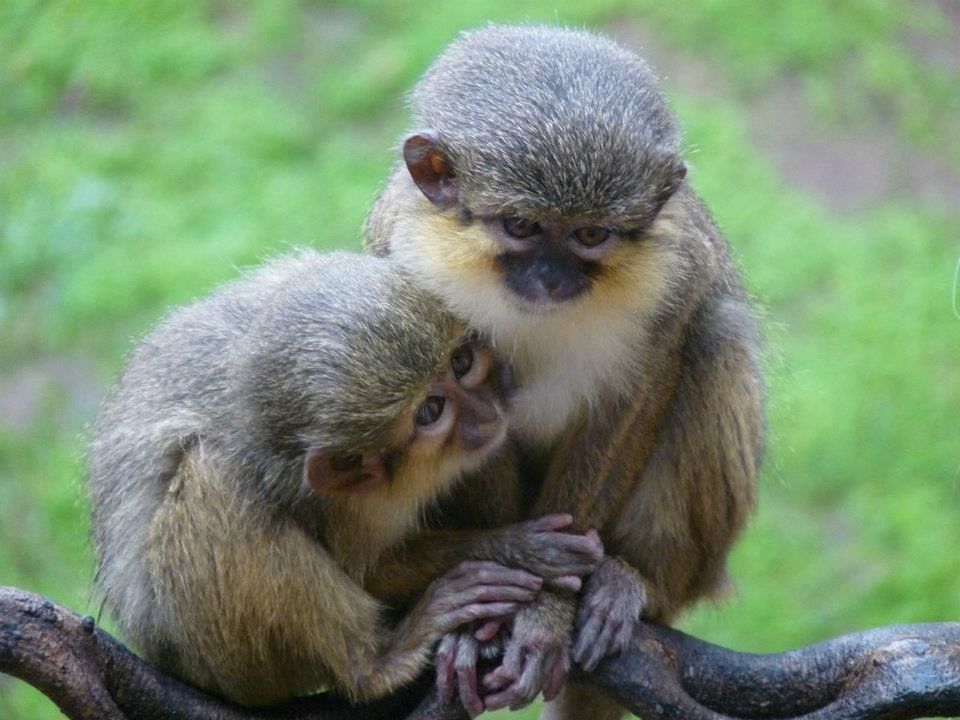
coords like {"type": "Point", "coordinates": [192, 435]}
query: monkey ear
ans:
{"type": "Point", "coordinates": [322, 475]}
{"type": "Point", "coordinates": [671, 184]}
{"type": "Point", "coordinates": [430, 169]}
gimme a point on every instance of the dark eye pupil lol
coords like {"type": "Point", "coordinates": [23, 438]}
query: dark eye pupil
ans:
{"type": "Point", "coordinates": [592, 235]}
{"type": "Point", "coordinates": [431, 410]}
{"type": "Point", "coordinates": [461, 361]}
{"type": "Point", "coordinates": [346, 461]}
{"type": "Point", "coordinates": [520, 227]}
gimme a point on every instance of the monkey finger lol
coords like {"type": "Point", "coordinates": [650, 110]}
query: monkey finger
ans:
{"type": "Point", "coordinates": [521, 691]}
{"type": "Point", "coordinates": [588, 545]}
{"type": "Point", "coordinates": [550, 523]}
{"type": "Point", "coordinates": [501, 593]}
{"type": "Point", "coordinates": [487, 610]}
{"type": "Point", "coordinates": [505, 697]}
{"type": "Point", "coordinates": [496, 680]}
{"type": "Point", "coordinates": [587, 637]}
{"type": "Point", "coordinates": [571, 583]}
{"type": "Point", "coordinates": [463, 614]}
{"type": "Point", "coordinates": [446, 670]}
{"type": "Point", "coordinates": [527, 687]}
{"type": "Point", "coordinates": [495, 593]}
{"type": "Point", "coordinates": [593, 535]}
{"type": "Point", "coordinates": [600, 648]}
{"type": "Point", "coordinates": [556, 675]}
{"type": "Point", "coordinates": [622, 637]}
{"type": "Point", "coordinates": [466, 667]}
{"type": "Point", "coordinates": [488, 631]}
{"type": "Point", "coordinates": [491, 573]}
{"type": "Point", "coordinates": [508, 670]}
{"type": "Point", "coordinates": [456, 593]}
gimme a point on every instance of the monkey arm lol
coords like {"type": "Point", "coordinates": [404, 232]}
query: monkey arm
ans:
{"type": "Point", "coordinates": [597, 460]}
{"type": "Point", "coordinates": [479, 521]}
{"type": "Point", "coordinates": [536, 546]}
{"type": "Point", "coordinates": [690, 501]}
{"type": "Point", "coordinates": [248, 606]}
{"type": "Point", "coordinates": [692, 497]}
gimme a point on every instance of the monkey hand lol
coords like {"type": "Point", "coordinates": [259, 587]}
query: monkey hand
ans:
{"type": "Point", "coordinates": [537, 655]}
{"type": "Point", "coordinates": [613, 600]}
{"type": "Point", "coordinates": [457, 659]}
{"type": "Point", "coordinates": [541, 547]}
{"type": "Point", "coordinates": [475, 590]}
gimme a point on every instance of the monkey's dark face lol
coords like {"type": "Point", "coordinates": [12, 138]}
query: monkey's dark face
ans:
{"type": "Point", "coordinates": [550, 262]}
{"type": "Point", "coordinates": [451, 428]}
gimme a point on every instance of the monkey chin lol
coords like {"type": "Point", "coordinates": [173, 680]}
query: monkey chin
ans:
{"type": "Point", "coordinates": [542, 308]}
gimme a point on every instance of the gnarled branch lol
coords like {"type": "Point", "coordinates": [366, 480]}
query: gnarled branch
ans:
{"type": "Point", "coordinates": [894, 672]}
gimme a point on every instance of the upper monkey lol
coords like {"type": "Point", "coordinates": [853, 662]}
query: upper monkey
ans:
{"type": "Point", "coordinates": [542, 194]}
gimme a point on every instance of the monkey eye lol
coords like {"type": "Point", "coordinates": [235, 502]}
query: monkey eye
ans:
{"type": "Point", "coordinates": [591, 235]}
{"type": "Point", "coordinates": [461, 361]}
{"type": "Point", "coordinates": [431, 410]}
{"type": "Point", "coordinates": [342, 462]}
{"type": "Point", "coordinates": [519, 227]}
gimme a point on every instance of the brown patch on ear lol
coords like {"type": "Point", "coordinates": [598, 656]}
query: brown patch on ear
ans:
{"type": "Point", "coordinates": [322, 475]}
{"type": "Point", "coordinates": [430, 169]}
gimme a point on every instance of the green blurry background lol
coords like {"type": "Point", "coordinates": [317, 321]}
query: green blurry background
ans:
{"type": "Point", "coordinates": [149, 149]}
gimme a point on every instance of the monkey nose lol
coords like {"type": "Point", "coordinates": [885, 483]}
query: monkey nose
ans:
{"type": "Point", "coordinates": [475, 436]}
{"type": "Point", "coordinates": [550, 283]}
{"type": "Point", "coordinates": [480, 422]}
{"type": "Point", "coordinates": [558, 284]}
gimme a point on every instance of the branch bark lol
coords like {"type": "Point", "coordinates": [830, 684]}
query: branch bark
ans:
{"type": "Point", "coordinates": [904, 671]}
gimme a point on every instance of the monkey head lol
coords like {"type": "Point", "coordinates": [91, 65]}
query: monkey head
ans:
{"type": "Point", "coordinates": [451, 425]}
{"type": "Point", "coordinates": [544, 158]}
{"type": "Point", "coordinates": [370, 382]}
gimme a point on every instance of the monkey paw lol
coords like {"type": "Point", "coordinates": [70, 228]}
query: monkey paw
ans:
{"type": "Point", "coordinates": [535, 659]}
{"type": "Point", "coordinates": [612, 602]}
{"type": "Point", "coordinates": [456, 662]}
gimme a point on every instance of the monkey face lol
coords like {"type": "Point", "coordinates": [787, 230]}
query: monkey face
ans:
{"type": "Point", "coordinates": [537, 259]}
{"type": "Point", "coordinates": [463, 413]}
{"type": "Point", "coordinates": [453, 427]}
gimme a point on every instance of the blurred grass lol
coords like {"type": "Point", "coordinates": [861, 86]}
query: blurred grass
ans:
{"type": "Point", "coordinates": [147, 149]}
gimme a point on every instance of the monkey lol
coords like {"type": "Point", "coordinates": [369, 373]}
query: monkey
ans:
{"type": "Point", "coordinates": [542, 194]}
{"type": "Point", "coordinates": [264, 446]}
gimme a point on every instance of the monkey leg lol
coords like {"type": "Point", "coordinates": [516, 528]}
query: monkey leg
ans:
{"type": "Point", "coordinates": [578, 702]}
{"type": "Point", "coordinates": [689, 502]}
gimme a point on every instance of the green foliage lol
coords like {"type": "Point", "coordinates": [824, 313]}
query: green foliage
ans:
{"type": "Point", "coordinates": [148, 149]}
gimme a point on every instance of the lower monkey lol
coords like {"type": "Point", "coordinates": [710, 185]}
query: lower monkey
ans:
{"type": "Point", "coordinates": [264, 447]}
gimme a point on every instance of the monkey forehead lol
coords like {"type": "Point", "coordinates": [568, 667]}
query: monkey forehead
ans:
{"type": "Point", "coordinates": [559, 120]}
{"type": "Point", "coordinates": [345, 345]}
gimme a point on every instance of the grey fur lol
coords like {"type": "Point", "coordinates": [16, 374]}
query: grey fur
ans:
{"type": "Point", "coordinates": [252, 376]}
{"type": "Point", "coordinates": [527, 137]}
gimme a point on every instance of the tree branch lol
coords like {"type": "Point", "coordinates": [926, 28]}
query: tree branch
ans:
{"type": "Point", "coordinates": [894, 672]}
